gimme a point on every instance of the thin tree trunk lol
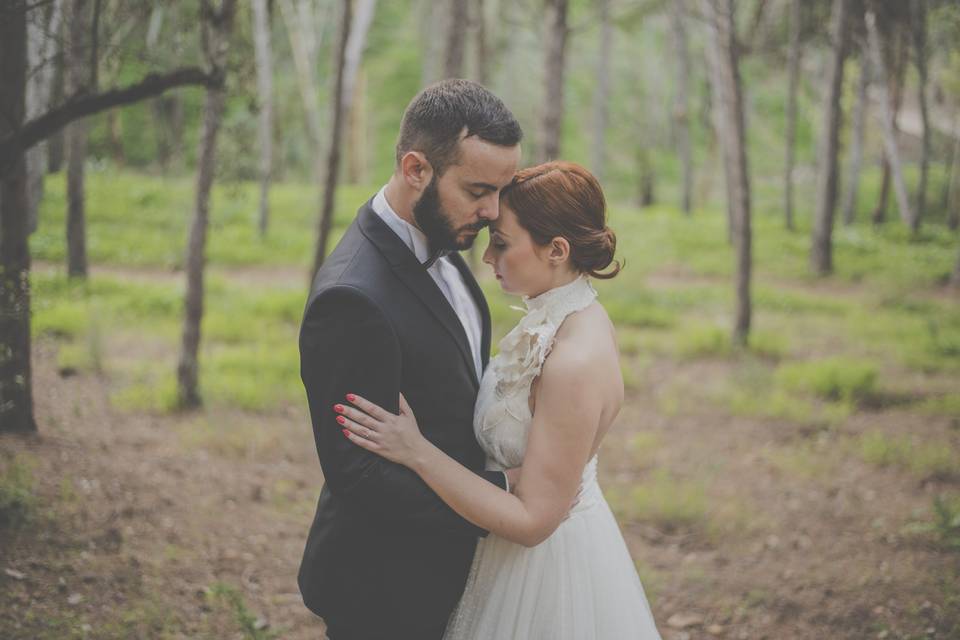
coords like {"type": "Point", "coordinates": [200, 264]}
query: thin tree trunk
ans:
{"type": "Point", "coordinates": [16, 392]}
{"type": "Point", "coordinates": [821, 250]}
{"type": "Point", "coordinates": [264, 58]}
{"type": "Point", "coordinates": [42, 40]}
{"type": "Point", "coordinates": [918, 23]}
{"type": "Point", "coordinates": [357, 119]}
{"type": "Point", "coordinates": [76, 143]}
{"type": "Point", "coordinates": [953, 201]}
{"type": "Point", "coordinates": [855, 165]}
{"type": "Point", "coordinates": [356, 44]}
{"type": "Point", "coordinates": [433, 21]}
{"type": "Point", "coordinates": [554, 64]}
{"type": "Point", "coordinates": [55, 141]}
{"type": "Point", "coordinates": [481, 48]}
{"type": "Point", "coordinates": [303, 56]}
{"type": "Point", "coordinates": [216, 25]}
{"type": "Point", "coordinates": [336, 131]}
{"type": "Point", "coordinates": [725, 74]}
{"type": "Point", "coordinates": [681, 102]}
{"type": "Point", "coordinates": [793, 75]}
{"type": "Point", "coordinates": [456, 39]}
{"type": "Point", "coordinates": [601, 97]}
{"type": "Point", "coordinates": [891, 150]}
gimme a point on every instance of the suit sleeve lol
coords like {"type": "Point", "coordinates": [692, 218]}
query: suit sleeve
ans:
{"type": "Point", "coordinates": [347, 345]}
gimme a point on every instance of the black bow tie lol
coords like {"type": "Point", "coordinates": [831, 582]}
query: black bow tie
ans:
{"type": "Point", "coordinates": [436, 255]}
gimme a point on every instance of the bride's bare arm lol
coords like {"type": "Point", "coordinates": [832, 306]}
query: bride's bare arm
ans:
{"type": "Point", "coordinates": [568, 409]}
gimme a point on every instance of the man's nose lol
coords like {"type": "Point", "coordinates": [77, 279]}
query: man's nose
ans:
{"type": "Point", "coordinates": [491, 209]}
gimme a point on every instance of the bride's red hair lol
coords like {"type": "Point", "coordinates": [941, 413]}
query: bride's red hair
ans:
{"type": "Point", "coordinates": [564, 199]}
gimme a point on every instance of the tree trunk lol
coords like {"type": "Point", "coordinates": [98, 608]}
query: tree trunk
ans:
{"type": "Point", "coordinates": [890, 148]}
{"type": "Point", "coordinates": [356, 44]}
{"type": "Point", "coordinates": [55, 141]}
{"type": "Point", "coordinates": [681, 103]}
{"type": "Point", "coordinates": [955, 276]}
{"type": "Point", "coordinates": [336, 130]}
{"type": "Point", "coordinates": [855, 165]}
{"type": "Point", "coordinates": [918, 24]}
{"type": "Point", "coordinates": [42, 40]}
{"type": "Point", "coordinates": [953, 201]}
{"type": "Point", "coordinates": [216, 26]}
{"type": "Point", "coordinates": [456, 39]}
{"type": "Point", "coordinates": [601, 97]}
{"type": "Point", "coordinates": [481, 48]}
{"type": "Point", "coordinates": [301, 45]}
{"type": "Point", "coordinates": [16, 394]}
{"type": "Point", "coordinates": [433, 21]}
{"type": "Point", "coordinates": [725, 75]}
{"type": "Point", "coordinates": [821, 250]}
{"type": "Point", "coordinates": [264, 58]}
{"type": "Point", "coordinates": [554, 62]}
{"type": "Point", "coordinates": [76, 141]}
{"type": "Point", "coordinates": [793, 75]}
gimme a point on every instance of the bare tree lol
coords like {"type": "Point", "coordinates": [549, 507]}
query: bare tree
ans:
{"type": "Point", "coordinates": [793, 75]}
{"type": "Point", "coordinates": [481, 48]}
{"type": "Point", "coordinates": [336, 131]}
{"type": "Point", "coordinates": [855, 162]}
{"type": "Point", "coordinates": [456, 38]}
{"type": "Point", "coordinates": [216, 25]}
{"type": "Point", "coordinates": [681, 102]}
{"type": "Point", "coordinates": [264, 57]}
{"type": "Point", "coordinates": [42, 40]}
{"type": "Point", "coordinates": [354, 84]}
{"type": "Point", "coordinates": [551, 119]}
{"type": "Point", "coordinates": [727, 93]}
{"type": "Point", "coordinates": [16, 404]}
{"type": "Point", "coordinates": [298, 20]}
{"type": "Point", "coordinates": [76, 140]}
{"type": "Point", "coordinates": [601, 97]}
{"type": "Point", "coordinates": [918, 27]}
{"type": "Point", "coordinates": [891, 150]}
{"type": "Point", "coordinates": [821, 249]}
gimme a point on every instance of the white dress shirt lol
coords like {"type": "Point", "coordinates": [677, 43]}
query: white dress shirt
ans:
{"type": "Point", "coordinates": [443, 272]}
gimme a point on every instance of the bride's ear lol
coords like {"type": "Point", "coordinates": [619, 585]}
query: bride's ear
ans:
{"type": "Point", "coordinates": [559, 251]}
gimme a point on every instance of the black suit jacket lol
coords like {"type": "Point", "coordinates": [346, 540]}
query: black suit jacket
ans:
{"type": "Point", "coordinates": [385, 556]}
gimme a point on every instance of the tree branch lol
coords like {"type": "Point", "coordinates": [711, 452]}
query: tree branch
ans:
{"type": "Point", "coordinates": [83, 104]}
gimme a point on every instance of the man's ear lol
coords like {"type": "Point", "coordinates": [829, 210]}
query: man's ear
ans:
{"type": "Point", "coordinates": [416, 170]}
{"type": "Point", "coordinates": [559, 251]}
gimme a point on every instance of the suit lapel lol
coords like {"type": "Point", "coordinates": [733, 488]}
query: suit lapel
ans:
{"type": "Point", "coordinates": [415, 277]}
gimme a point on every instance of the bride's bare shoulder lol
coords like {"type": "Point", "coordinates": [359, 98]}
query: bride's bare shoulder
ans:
{"type": "Point", "coordinates": [590, 328]}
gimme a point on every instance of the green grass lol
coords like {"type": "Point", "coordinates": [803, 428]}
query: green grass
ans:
{"type": "Point", "coordinates": [926, 458]}
{"type": "Point", "coordinates": [18, 500]}
{"type": "Point", "coordinates": [834, 379]}
{"type": "Point", "coordinates": [664, 501]}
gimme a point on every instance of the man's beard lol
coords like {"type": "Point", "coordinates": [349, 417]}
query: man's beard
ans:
{"type": "Point", "coordinates": [435, 223]}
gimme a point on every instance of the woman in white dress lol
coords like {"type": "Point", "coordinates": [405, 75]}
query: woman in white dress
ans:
{"type": "Point", "coordinates": [547, 571]}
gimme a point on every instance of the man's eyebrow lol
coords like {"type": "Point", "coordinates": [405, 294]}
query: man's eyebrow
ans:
{"type": "Point", "coordinates": [483, 185]}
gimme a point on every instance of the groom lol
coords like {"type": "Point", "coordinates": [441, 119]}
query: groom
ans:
{"type": "Point", "coordinates": [395, 309]}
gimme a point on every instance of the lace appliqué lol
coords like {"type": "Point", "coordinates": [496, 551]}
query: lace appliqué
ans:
{"type": "Point", "coordinates": [503, 402]}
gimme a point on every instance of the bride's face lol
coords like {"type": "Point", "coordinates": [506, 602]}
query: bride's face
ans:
{"type": "Point", "coordinates": [521, 266]}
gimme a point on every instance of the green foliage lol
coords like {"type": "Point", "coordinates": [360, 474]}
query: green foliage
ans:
{"type": "Point", "coordinates": [17, 498]}
{"type": "Point", "coordinates": [837, 379]}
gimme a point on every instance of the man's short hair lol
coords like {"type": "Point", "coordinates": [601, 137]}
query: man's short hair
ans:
{"type": "Point", "coordinates": [435, 119]}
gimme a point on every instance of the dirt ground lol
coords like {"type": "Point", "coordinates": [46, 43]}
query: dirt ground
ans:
{"type": "Point", "coordinates": [141, 518]}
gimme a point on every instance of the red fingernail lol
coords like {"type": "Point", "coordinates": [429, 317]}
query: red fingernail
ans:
{"type": "Point", "coordinates": [338, 408]}
{"type": "Point", "coordinates": [341, 420]}
{"type": "Point", "coordinates": [351, 397]}
{"type": "Point", "coordinates": [346, 433]}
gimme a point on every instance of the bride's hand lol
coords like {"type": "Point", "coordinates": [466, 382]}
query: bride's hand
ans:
{"type": "Point", "coordinates": [396, 438]}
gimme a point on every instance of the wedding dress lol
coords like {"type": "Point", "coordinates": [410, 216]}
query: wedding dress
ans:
{"type": "Point", "coordinates": [580, 583]}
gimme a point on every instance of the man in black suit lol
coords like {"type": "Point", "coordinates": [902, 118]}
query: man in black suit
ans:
{"type": "Point", "coordinates": [395, 309]}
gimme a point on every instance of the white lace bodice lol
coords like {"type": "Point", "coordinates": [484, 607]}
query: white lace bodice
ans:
{"type": "Point", "coordinates": [502, 415]}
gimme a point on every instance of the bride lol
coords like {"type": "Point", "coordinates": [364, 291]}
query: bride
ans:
{"type": "Point", "coordinates": [546, 401]}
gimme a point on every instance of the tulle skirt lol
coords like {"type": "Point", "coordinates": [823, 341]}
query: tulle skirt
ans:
{"type": "Point", "coordinates": [579, 584]}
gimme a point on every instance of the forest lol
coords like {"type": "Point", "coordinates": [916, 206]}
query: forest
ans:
{"type": "Point", "coordinates": [784, 180]}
